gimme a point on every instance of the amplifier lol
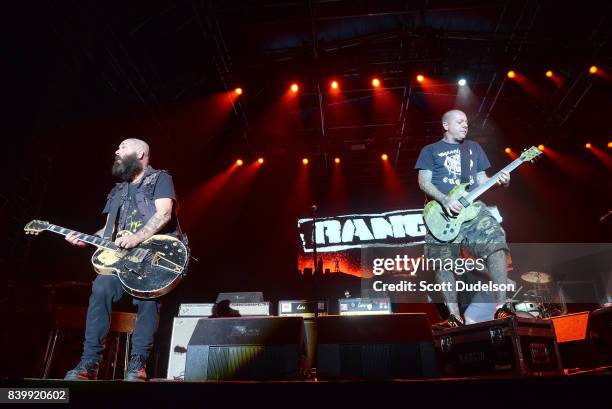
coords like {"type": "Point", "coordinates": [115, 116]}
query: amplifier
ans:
{"type": "Point", "coordinates": [302, 308]}
{"type": "Point", "coordinates": [364, 306]}
{"type": "Point", "coordinates": [246, 309]}
{"type": "Point", "coordinates": [182, 330]}
{"type": "Point", "coordinates": [195, 310]}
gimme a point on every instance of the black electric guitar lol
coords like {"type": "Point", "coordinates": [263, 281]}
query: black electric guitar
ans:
{"type": "Point", "coordinates": [149, 270]}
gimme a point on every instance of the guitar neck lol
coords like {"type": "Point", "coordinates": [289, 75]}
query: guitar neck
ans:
{"type": "Point", "coordinates": [474, 194]}
{"type": "Point", "coordinates": [87, 238]}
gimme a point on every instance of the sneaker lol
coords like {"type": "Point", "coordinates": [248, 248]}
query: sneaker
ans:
{"type": "Point", "coordinates": [504, 312]}
{"type": "Point", "coordinates": [451, 322]}
{"type": "Point", "coordinates": [137, 369]}
{"type": "Point", "coordinates": [86, 370]}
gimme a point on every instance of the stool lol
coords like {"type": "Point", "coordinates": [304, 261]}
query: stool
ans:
{"type": "Point", "coordinates": [73, 317]}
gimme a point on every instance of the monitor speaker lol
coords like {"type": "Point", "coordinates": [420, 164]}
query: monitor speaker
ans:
{"type": "Point", "coordinates": [248, 348]}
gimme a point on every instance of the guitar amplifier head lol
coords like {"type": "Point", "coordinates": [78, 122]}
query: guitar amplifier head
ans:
{"type": "Point", "coordinates": [364, 306]}
{"type": "Point", "coordinates": [244, 308]}
{"type": "Point", "coordinates": [196, 310]}
{"type": "Point", "coordinates": [302, 308]}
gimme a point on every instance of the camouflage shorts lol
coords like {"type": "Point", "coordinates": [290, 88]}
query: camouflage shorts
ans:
{"type": "Point", "coordinates": [481, 237]}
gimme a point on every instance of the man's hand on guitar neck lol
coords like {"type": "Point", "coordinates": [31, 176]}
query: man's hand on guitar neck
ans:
{"type": "Point", "coordinates": [72, 239]}
{"type": "Point", "coordinates": [452, 206]}
{"type": "Point", "coordinates": [503, 178]}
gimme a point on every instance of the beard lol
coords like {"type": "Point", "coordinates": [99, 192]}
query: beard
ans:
{"type": "Point", "coordinates": [126, 168]}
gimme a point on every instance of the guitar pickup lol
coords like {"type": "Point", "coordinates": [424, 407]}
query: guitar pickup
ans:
{"type": "Point", "coordinates": [135, 255]}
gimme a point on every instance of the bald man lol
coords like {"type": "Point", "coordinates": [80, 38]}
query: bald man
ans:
{"type": "Point", "coordinates": [440, 169]}
{"type": "Point", "coordinates": [145, 200]}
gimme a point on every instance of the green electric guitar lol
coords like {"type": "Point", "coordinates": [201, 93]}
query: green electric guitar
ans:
{"type": "Point", "coordinates": [445, 227]}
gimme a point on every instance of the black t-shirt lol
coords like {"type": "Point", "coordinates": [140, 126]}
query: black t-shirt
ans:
{"type": "Point", "coordinates": [133, 218]}
{"type": "Point", "coordinates": [444, 160]}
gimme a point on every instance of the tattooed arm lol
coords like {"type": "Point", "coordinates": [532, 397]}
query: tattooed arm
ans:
{"type": "Point", "coordinates": [163, 213]}
{"type": "Point", "coordinates": [452, 206]}
{"type": "Point", "coordinates": [428, 187]}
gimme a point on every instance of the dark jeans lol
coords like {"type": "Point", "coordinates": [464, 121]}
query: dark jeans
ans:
{"type": "Point", "coordinates": [105, 291]}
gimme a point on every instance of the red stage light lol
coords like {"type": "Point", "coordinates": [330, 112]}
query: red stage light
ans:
{"type": "Point", "coordinates": [239, 162]}
{"type": "Point", "coordinates": [420, 78]}
{"type": "Point", "coordinates": [334, 84]}
{"type": "Point", "coordinates": [593, 69]}
{"type": "Point", "coordinates": [260, 160]}
{"type": "Point", "coordinates": [238, 91]}
{"type": "Point", "coordinates": [541, 147]}
{"type": "Point", "coordinates": [511, 74]}
{"type": "Point", "coordinates": [384, 156]}
{"type": "Point", "coordinates": [376, 82]}
{"type": "Point", "coordinates": [295, 87]}
{"type": "Point", "coordinates": [588, 145]}
{"type": "Point", "coordinates": [549, 73]}
{"type": "Point", "coordinates": [337, 160]}
{"type": "Point", "coordinates": [507, 150]}
{"type": "Point", "coordinates": [305, 161]}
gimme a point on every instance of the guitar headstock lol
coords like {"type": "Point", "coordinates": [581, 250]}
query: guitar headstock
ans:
{"type": "Point", "coordinates": [529, 155]}
{"type": "Point", "coordinates": [35, 227]}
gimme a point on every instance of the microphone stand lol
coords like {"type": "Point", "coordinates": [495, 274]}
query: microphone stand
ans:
{"type": "Point", "coordinates": [314, 238]}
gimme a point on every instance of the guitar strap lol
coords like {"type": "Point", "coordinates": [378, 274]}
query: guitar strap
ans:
{"type": "Point", "coordinates": [114, 211]}
{"type": "Point", "coordinates": [464, 151]}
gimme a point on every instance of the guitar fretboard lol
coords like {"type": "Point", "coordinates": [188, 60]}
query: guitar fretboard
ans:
{"type": "Point", "coordinates": [87, 238]}
{"type": "Point", "coordinates": [474, 194]}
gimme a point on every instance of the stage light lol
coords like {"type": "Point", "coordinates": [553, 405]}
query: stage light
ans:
{"type": "Point", "coordinates": [384, 156]}
{"type": "Point", "coordinates": [420, 78]}
{"type": "Point", "coordinates": [541, 147]}
{"type": "Point", "coordinates": [507, 150]}
{"type": "Point", "coordinates": [609, 144]}
{"type": "Point", "coordinates": [238, 91]}
{"type": "Point", "coordinates": [511, 74]}
{"type": "Point", "coordinates": [334, 84]}
{"type": "Point", "coordinates": [462, 82]}
{"type": "Point", "coordinates": [376, 83]}
{"type": "Point", "coordinates": [260, 160]}
{"type": "Point", "coordinates": [305, 161]}
{"type": "Point", "coordinates": [239, 162]}
{"type": "Point", "coordinates": [295, 87]}
{"type": "Point", "coordinates": [549, 73]}
{"type": "Point", "coordinates": [593, 69]}
{"type": "Point", "coordinates": [587, 145]}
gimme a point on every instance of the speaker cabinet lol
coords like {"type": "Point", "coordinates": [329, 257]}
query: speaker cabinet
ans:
{"type": "Point", "coordinates": [375, 347]}
{"type": "Point", "coordinates": [253, 348]}
{"type": "Point", "coordinates": [182, 330]}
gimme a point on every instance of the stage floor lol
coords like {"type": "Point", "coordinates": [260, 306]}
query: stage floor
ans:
{"type": "Point", "coordinates": [584, 390]}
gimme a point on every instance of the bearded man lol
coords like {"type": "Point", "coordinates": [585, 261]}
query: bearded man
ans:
{"type": "Point", "coordinates": [144, 204]}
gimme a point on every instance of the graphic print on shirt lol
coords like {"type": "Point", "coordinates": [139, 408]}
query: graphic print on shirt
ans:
{"type": "Point", "coordinates": [452, 164]}
{"type": "Point", "coordinates": [132, 222]}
